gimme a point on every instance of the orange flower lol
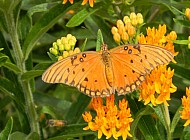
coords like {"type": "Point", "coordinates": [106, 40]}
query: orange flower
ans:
{"type": "Point", "coordinates": [185, 113]}
{"type": "Point", "coordinates": [65, 1]}
{"type": "Point", "coordinates": [158, 85]}
{"type": "Point", "coordinates": [91, 2]}
{"type": "Point", "coordinates": [109, 121]}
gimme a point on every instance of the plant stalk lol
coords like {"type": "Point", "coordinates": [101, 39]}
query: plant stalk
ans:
{"type": "Point", "coordinates": [166, 116]}
{"type": "Point", "coordinates": [18, 54]}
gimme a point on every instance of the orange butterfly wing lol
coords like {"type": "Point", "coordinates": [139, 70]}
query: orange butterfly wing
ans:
{"type": "Point", "coordinates": [85, 71]}
{"type": "Point", "coordinates": [131, 63]}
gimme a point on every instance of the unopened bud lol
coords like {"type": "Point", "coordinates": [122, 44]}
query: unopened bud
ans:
{"type": "Point", "coordinates": [76, 50]}
{"type": "Point", "coordinates": [65, 54]}
{"type": "Point", "coordinates": [53, 51]}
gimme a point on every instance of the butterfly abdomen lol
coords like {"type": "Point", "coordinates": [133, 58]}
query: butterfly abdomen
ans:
{"type": "Point", "coordinates": [108, 68]}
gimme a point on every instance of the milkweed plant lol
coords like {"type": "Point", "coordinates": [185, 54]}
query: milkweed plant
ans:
{"type": "Point", "coordinates": [35, 34]}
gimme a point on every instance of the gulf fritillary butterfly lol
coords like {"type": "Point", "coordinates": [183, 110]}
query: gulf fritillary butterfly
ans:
{"type": "Point", "coordinates": [100, 74]}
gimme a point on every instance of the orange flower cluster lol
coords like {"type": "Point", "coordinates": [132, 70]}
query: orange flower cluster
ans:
{"type": "Point", "coordinates": [109, 121]}
{"type": "Point", "coordinates": [125, 30]}
{"type": "Point", "coordinates": [157, 37]}
{"type": "Point", "coordinates": [185, 113]}
{"type": "Point", "coordinates": [91, 2]}
{"type": "Point", "coordinates": [158, 85]}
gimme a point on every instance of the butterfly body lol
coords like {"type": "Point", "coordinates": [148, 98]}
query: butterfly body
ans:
{"type": "Point", "coordinates": [120, 69]}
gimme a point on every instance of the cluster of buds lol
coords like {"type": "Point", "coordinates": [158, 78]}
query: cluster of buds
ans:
{"type": "Point", "coordinates": [187, 13]}
{"type": "Point", "coordinates": [64, 47]}
{"type": "Point", "coordinates": [126, 29]}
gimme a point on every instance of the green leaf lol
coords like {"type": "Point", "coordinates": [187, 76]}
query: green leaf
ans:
{"type": "Point", "coordinates": [186, 133]}
{"type": "Point", "coordinates": [84, 45]}
{"type": "Point", "coordinates": [5, 134]}
{"type": "Point", "coordinates": [70, 131]}
{"type": "Point", "coordinates": [181, 71]}
{"type": "Point", "coordinates": [43, 25]}
{"type": "Point", "coordinates": [52, 57]}
{"type": "Point", "coordinates": [142, 120]}
{"type": "Point", "coordinates": [99, 41]}
{"type": "Point", "coordinates": [3, 59]}
{"type": "Point", "coordinates": [175, 119]}
{"type": "Point", "coordinates": [8, 5]}
{"type": "Point", "coordinates": [31, 74]}
{"type": "Point", "coordinates": [5, 101]}
{"type": "Point", "coordinates": [1, 49]}
{"type": "Point", "coordinates": [55, 103]}
{"type": "Point", "coordinates": [12, 67]}
{"type": "Point", "coordinates": [33, 136]}
{"type": "Point", "coordinates": [21, 136]}
{"type": "Point", "coordinates": [95, 23]}
{"type": "Point", "coordinates": [80, 17]}
{"type": "Point", "coordinates": [77, 108]}
{"type": "Point", "coordinates": [38, 8]}
{"type": "Point", "coordinates": [18, 136]}
{"type": "Point", "coordinates": [185, 23]}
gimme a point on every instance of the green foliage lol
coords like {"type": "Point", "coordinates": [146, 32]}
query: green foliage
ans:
{"type": "Point", "coordinates": [27, 30]}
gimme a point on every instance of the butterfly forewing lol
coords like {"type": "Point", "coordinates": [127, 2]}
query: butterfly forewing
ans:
{"type": "Point", "coordinates": [131, 64]}
{"type": "Point", "coordinates": [84, 71]}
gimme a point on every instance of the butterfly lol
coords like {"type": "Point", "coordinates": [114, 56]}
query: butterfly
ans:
{"type": "Point", "coordinates": [100, 74]}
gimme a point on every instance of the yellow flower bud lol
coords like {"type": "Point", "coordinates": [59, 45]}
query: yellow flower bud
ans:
{"type": "Point", "coordinates": [55, 45]}
{"type": "Point", "coordinates": [59, 42]}
{"type": "Point", "coordinates": [117, 37]}
{"type": "Point", "coordinates": [187, 13]}
{"type": "Point", "coordinates": [173, 35]}
{"type": "Point", "coordinates": [69, 36]}
{"type": "Point", "coordinates": [65, 54]}
{"type": "Point", "coordinates": [76, 50]}
{"type": "Point", "coordinates": [67, 47]}
{"type": "Point", "coordinates": [64, 40]}
{"type": "Point", "coordinates": [74, 39]}
{"type": "Point", "coordinates": [139, 18]}
{"type": "Point", "coordinates": [127, 26]}
{"type": "Point", "coordinates": [61, 47]}
{"type": "Point", "coordinates": [114, 30]}
{"type": "Point", "coordinates": [53, 51]}
{"type": "Point", "coordinates": [134, 22]}
{"type": "Point", "coordinates": [189, 38]}
{"type": "Point", "coordinates": [121, 30]}
{"type": "Point", "coordinates": [140, 21]}
{"type": "Point", "coordinates": [60, 57]}
{"type": "Point", "coordinates": [72, 43]}
{"type": "Point", "coordinates": [119, 23]}
{"type": "Point", "coordinates": [133, 16]}
{"type": "Point", "coordinates": [71, 52]}
{"type": "Point", "coordinates": [126, 19]}
{"type": "Point", "coordinates": [131, 31]}
{"type": "Point", "coordinates": [189, 46]}
{"type": "Point", "coordinates": [125, 37]}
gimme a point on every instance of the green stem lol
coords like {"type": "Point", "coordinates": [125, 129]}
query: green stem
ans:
{"type": "Point", "coordinates": [30, 107]}
{"type": "Point", "coordinates": [166, 116]}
